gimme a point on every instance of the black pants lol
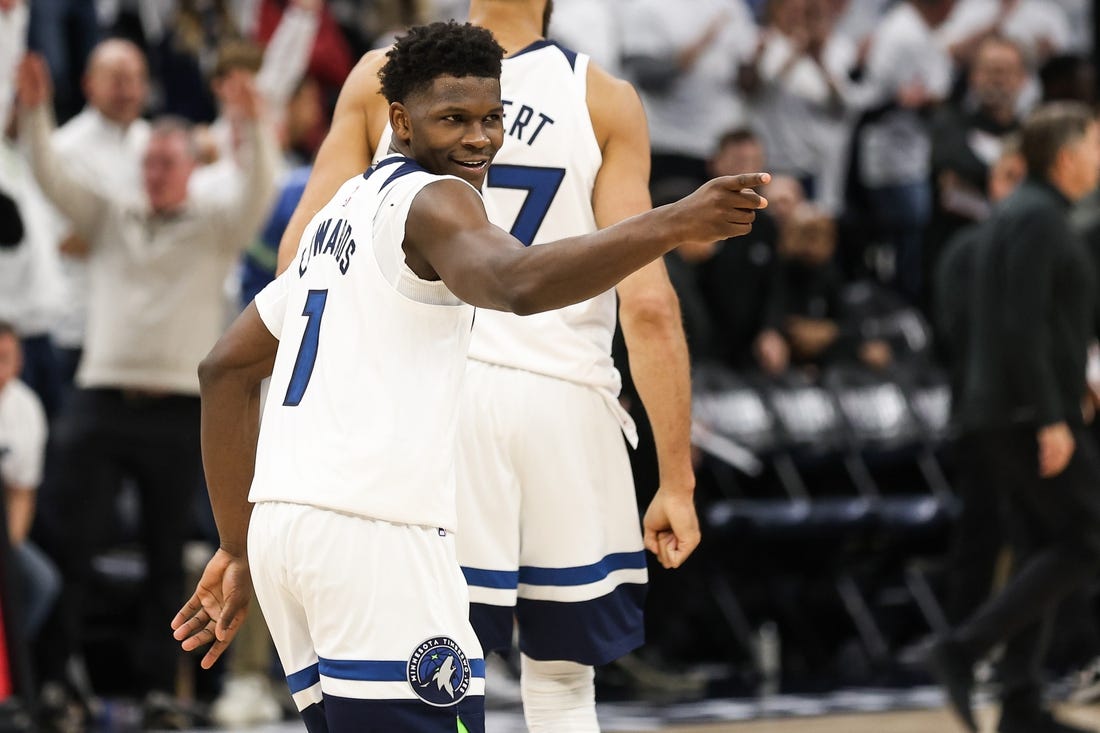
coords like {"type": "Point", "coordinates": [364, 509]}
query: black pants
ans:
{"type": "Point", "coordinates": [1054, 528]}
{"type": "Point", "coordinates": [978, 538]}
{"type": "Point", "coordinates": [103, 436]}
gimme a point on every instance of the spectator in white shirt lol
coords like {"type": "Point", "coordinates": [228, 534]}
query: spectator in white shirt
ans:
{"type": "Point", "coordinates": [156, 267]}
{"type": "Point", "coordinates": [685, 58]}
{"type": "Point", "coordinates": [1040, 27]}
{"type": "Point", "coordinates": [30, 277]}
{"type": "Point", "coordinates": [30, 285]}
{"type": "Point", "coordinates": [103, 146]}
{"type": "Point", "coordinates": [908, 72]}
{"type": "Point", "coordinates": [22, 453]}
{"type": "Point", "coordinates": [801, 107]}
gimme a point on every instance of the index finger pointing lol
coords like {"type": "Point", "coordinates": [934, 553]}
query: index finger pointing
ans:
{"type": "Point", "coordinates": [748, 180]}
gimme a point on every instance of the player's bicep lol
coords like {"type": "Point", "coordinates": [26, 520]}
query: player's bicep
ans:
{"type": "Point", "coordinates": [246, 351]}
{"type": "Point", "coordinates": [448, 229]}
{"type": "Point", "coordinates": [622, 185]}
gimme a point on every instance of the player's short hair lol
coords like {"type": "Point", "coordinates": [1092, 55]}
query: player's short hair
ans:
{"type": "Point", "coordinates": [427, 52]}
{"type": "Point", "coordinates": [7, 329]}
{"type": "Point", "coordinates": [1051, 128]}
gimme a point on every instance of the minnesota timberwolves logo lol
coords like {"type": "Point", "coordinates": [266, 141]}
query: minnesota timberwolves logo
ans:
{"type": "Point", "coordinates": [439, 672]}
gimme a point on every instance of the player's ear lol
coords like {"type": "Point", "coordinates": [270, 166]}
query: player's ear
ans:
{"type": "Point", "coordinates": [400, 122]}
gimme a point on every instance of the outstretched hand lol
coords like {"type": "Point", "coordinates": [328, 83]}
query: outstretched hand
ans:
{"type": "Point", "coordinates": [32, 81]}
{"type": "Point", "coordinates": [218, 607]}
{"type": "Point", "coordinates": [243, 101]}
{"type": "Point", "coordinates": [721, 208]}
{"type": "Point", "coordinates": [671, 527]}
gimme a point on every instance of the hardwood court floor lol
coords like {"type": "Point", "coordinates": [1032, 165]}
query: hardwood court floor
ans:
{"type": "Point", "coordinates": [928, 721]}
{"type": "Point", "coordinates": [918, 721]}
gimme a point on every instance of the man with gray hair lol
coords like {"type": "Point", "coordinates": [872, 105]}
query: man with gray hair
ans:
{"type": "Point", "coordinates": [156, 265]}
{"type": "Point", "coordinates": [1032, 316]}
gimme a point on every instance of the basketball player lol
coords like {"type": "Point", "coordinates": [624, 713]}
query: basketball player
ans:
{"type": "Point", "coordinates": [554, 537]}
{"type": "Point", "coordinates": [351, 544]}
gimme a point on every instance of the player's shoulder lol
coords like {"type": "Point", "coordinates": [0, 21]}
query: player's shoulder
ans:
{"type": "Point", "coordinates": [363, 78]}
{"type": "Point", "coordinates": [374, 59]}
{"type": "Point", "coordinates": [613, 104]}
{"type": "Point", "coordinates": [602, 82]}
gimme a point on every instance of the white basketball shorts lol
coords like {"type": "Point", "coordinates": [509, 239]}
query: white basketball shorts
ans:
{"type": "Point", "coordinates": [370, 620]}
{"type": "Point", "coordinates": [548, 525]}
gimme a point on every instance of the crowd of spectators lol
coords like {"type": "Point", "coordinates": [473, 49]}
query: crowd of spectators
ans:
{"type": "Point", "coordinates": [132, 232]}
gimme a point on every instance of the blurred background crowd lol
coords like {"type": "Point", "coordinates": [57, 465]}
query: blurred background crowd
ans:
{"type": "Point", "coordinates": [144, 193]}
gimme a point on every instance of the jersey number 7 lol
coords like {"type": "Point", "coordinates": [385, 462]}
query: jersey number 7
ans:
{"type": "Point", "coordinates": [541, 185]}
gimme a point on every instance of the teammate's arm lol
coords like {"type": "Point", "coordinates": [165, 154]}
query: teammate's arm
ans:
{"type": "Point", "coordinates": [448, 235]}
{"type": "Point", "coordinates": [348, 148]}
{"type": "Point", "coordinates": [649, 312]}
{"type": "Point", "coordinates": [229, 379]}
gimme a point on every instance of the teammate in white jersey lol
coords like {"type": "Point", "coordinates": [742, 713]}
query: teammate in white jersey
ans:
{"type": "Point", "coordinates": [351, 541]}
{"type": "Point", "coordinates": [554, 536]}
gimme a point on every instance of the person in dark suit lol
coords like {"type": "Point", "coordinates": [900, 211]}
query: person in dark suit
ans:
{"type": "Point", "coordinates": [978, 538]}
{"type": "Point", "coordinates": [1031, 320]}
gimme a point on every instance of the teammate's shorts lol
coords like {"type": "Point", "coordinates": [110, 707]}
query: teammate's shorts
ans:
{"type": "Point", "coordinates": [548, 526]}
{"type": "Point", "coordinates": [370, 620]}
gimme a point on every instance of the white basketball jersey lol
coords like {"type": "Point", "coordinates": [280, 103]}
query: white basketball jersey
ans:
{"type": "Point", "coordinates": [361, 412]}
{"type": "Point", "coordinates": [539, 188]}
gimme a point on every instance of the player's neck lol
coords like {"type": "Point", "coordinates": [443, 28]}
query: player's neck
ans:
{"type": "Point", "coordinates": [515, 24]}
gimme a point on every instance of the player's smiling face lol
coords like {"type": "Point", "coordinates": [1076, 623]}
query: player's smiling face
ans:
{"type": "Point", "coordinates": [456, 126]}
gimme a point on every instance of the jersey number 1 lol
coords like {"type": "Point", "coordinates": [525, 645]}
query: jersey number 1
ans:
{"type": "Point", "coordinates": [541, 185]}
{"type": "Point", "coordinates": [307, 352]}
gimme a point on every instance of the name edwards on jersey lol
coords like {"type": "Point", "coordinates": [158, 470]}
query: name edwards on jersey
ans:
{"type": "Point", "coordinates": [524, 123]}
{"type": "Point", "coordinates": [333, 237]}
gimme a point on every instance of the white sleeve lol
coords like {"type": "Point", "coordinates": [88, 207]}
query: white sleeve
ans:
{"type": "Point", "coordinates": [939, 73]}
{"type": "Point", "coordinates": [287, 56]}
{"type": "Point", "coordinates": [1055, 27]}
{"type": "Point", "coordinates": [13, 44]}
{"type": "Point", "coordinates": [22, 466]}
{"type": "Point", "coordinates": [271, 302]}
{"type": "Point", "coordinates": [777, 54]}
{"type": "Point", "coordinates": [966, 19]}
{"type": "Point", "coordinates": [84, 206]}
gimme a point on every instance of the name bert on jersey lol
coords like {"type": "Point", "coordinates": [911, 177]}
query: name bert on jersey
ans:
{"type": "Point", "coordinates": [333, 237]}
{"type": "Point", "coordinates": [523, 122]}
